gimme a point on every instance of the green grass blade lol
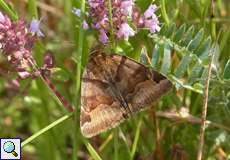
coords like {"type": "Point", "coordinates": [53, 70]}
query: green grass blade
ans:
{"type": "Point", "coordinates": [12, 14]}
{"type": "Point", "coordinates": [136, 139]}
{"type": "Point", "coordinates": [46, 129]}
{"type": "Point", "coordinates": [226, 74]}
{"type": "Point", "coordinates": [92, 151]}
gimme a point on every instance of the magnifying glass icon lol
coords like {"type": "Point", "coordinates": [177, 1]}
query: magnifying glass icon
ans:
{"type": "Point", "coordinates": [9, 147]}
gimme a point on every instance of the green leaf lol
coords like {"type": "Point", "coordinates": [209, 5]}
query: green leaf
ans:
{"type": "Point", "coordinates": [198, 86]}
{"type": "Point", "coordinates": [170, 30]}
{"type": "Point", "coordinates": [179, 33]}
{"type": "Point", "coordinates": [143, 56]}
{"type": "Point", "coordinates": [204, 49]}
{"type": "Point", "coordinates": [166, 62]}
{"type": "Point", "coordinates": [156, 55]}
{"type": "Point", "coordinates": [183, 66]}
{"type": "Point", "coordinates": [196, 73]}
{"type": "Point", "coordinates": [187, 36]}
{"type": "Point", "coordinates": [180, 84]}
{"type": "Point", "coordinates": [60, 74]}
{"type": "Point", "coordinates": [226, 74]}
{"type": "Point", "coordinates": [196, 41]}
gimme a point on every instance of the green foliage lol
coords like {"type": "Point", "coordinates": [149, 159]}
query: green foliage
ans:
{"type": "Point", "coordinates": [226, 74]}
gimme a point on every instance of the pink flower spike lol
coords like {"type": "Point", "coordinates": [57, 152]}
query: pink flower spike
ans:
{"type": "Point", "coordinates": [76, 11]}
{"type": "Point", "coordinates": [150, 11]}
{"type": "Point", "coordinates": [35, 28]}
{"type": "Point", "coordinates": [125, 31]}
{"type": "Point", "coordinates": [103, 37]}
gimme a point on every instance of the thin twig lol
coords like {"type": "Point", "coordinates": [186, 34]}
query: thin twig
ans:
{"type": "Point", "coordinates": [186, 117]}
{"type": "Point", "coordinates": [205, 100]}
{"type": "Point", "coordinates": [204, 113]}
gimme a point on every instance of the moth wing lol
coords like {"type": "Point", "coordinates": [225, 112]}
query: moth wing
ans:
{"type": "Point", "coordinates": [140, 86]}
{"type": "Point", "coordinates": [99, 110]}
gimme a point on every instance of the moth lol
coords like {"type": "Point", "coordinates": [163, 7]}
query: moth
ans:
{"type": "Point", "coordinates": [113, 88]}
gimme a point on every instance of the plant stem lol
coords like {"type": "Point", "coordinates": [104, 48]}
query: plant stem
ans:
{"type": "Point", "coordinates": [33, 8]}
{"type": "Point", "coordinates": [111, 24]}
{"type": "Point", "coordinates": [158, 148]}
{"type": "Point", "coordinates": [92, 151]}
{"type": "Point", "coordinates": [212, 21]}
{"type": "Point", "coordinates": [164, 13]}
{"type": "Point", "coordinates": [136, 139]}
{"type": "Point", "coordinates": [78, 80]}
{"type": "Point", "coordinates": [60, 99]}
{"type": "Point", "coordinates": [116, 147]}
{"type": "Point", "coordinates": [204, 112]}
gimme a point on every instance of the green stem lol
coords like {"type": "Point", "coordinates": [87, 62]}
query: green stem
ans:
{"type": "Point", "coordinates": [116, 144]}
{"type": "Point", "coordinates": [12, 14]}
{"type": "Point", "coordinates": [80, 50]}
{"type": "Point", "coordinates": [111, 24]}
{"type": "Point", "coordinates": [78, 78]}
{"type": "Point", "coordinates": [213, 23]}
{"type": "Point", "coordinates": [92, 151]}
{"type": "Point", "coordinates": [33, 8]}
{"type": "Point", "coordinates": [136, 139]}
{"type": "Point", "coordinates": [164, 13]}
{"type": "Point", "coordinates": [47, 128]}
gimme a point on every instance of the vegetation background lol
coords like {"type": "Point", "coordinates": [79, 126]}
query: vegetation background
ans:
{"type": "Point", "coordinates": [192, 31]}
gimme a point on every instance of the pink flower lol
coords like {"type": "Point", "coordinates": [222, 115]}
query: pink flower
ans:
{"type": "Point", "coordinates": [85, 25]}
{"type": "Point", "coordinates": [150, 11]}
{"type": "Point", "coordinates": [24, 74]}
{"type": "Point", "coordinates": [127, 7]}
{"type": "Point", "coordinates": [125, 31]}
{"type": "Point", "coordinates": [103, 36]}
{"type": "Point", "coordinates": [152, 24]}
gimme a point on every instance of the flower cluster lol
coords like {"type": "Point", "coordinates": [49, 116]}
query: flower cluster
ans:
{"type": "Point", "coordinates": [16, 42]}
{"type": "Point", "coordinates": [124, 13]}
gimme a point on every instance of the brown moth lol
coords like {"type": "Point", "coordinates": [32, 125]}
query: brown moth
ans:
{"type": "Point", "coordinates": [113, 88]}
